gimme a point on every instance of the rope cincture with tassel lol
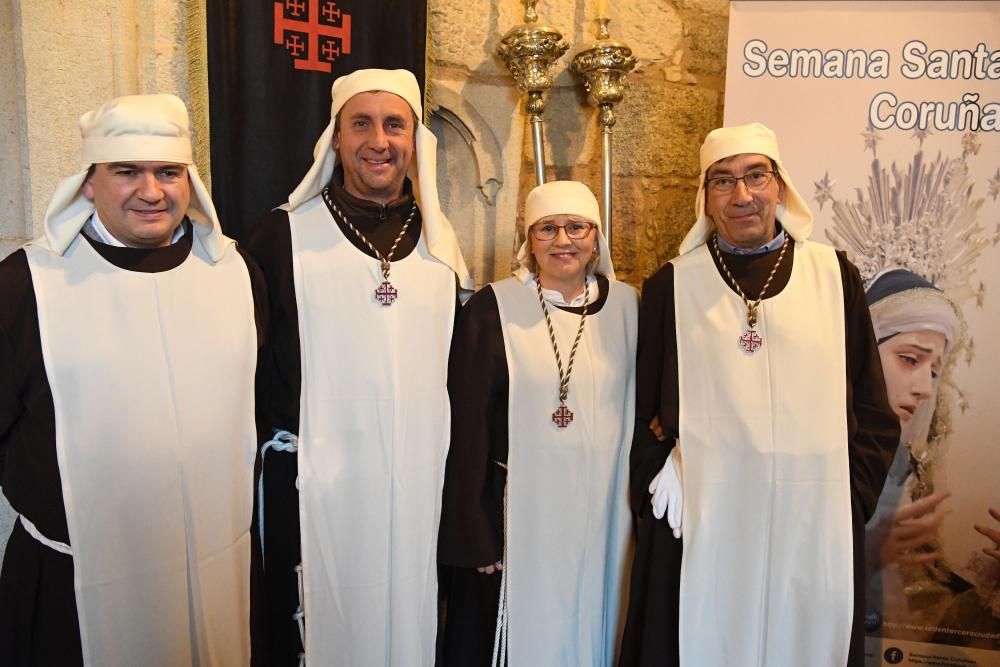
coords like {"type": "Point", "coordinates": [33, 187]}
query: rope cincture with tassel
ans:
{"type": "Point", "coordinates": [500, 635]}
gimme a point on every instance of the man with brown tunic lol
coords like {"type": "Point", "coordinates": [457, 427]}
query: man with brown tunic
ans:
{"type": "Point", "coordinates": [127, 355]}
{"type": "Point", "coordinates": [757, 359]}
{"type": "Point", "coordinates": [364, 271]}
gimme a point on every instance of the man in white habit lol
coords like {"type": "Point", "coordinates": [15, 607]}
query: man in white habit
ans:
{"type": "Point", "coordinates": [758, 368]}
{"type": "Point", "coordinates": [128, 345]}
{"type": "Point", "coordinates": [364, 271]}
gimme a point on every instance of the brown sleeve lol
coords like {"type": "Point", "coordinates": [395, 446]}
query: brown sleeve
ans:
{"type": "Point", "coordinates": [279, 370]}
{"type": "Point", "coordinates": [29, 465]}
{"type": "Point", "coordinates": [873, 428]}
{"type": "Point", "coordinates": [471, 532]}
{"type": "Point", "coordinates": [258, 287]}
{"type": "Point", "coordinates": [14, 280]}
{"type": "Point", "coordinates": [656, 385]}
{"type": "Point", "coordinates": [23, 386]}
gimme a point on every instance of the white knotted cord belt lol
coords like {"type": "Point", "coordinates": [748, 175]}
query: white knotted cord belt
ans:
{"type": "Point", "coordinates": [61, 547]}
{"type": "Point", "coordinates": [300, 617]}
{"type": "Point", "coordinates": [500, 636]}
{"type": "Point", "coordinates": [282, 441]}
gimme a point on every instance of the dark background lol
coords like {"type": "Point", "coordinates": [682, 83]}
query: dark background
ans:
{"type": "Point", "coordinates": [266, 115]}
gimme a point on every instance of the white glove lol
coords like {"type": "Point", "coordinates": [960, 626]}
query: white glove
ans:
{"type": "Point", "coordinates": [668, 491]}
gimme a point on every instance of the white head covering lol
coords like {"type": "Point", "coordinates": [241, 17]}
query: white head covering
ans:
{"type": "Point", "coordinates": [440, 237]}
{"type": "Point", "coordinates": [563, 198]}
{"type": "Point", "coordinates": [134, 128]}
{"type": "Point", "coordinates": [794, 214]}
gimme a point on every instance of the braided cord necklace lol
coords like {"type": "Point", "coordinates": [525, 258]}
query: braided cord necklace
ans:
{"type": "Point", "coordinates": [750, 341]}
{"type": "Point", "coordinates": [385, 293]}
{"type": "Point", "coordinates": [562, 415]}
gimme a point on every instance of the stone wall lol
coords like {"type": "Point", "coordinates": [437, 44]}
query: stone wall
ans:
{"type": "Point", "coordinates": [13, 230]}
{"type": "Point", "coordinates": [65, 58]}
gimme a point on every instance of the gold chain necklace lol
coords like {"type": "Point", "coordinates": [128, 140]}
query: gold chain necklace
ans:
{"type": "Point", "coordinates": [750, 341]}
{"type": "Point", "coordinates": [385, 293]}
{"type": "Point", "coordinates": [562, 415]}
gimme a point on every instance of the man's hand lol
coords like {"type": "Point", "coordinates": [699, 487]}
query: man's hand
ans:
{"type": "Point", "coordinates": [657, 430]}
{"type": "Point", "coordinates": [668, 491]}
{"type": "Point", "coordinates": [490, 569]}
{"type": "Point", "coordinates": [991, 533]}
{"type": "Point", "coordinates": [914, 525]}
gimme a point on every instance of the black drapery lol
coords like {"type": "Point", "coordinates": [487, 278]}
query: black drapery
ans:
{"type": "Point", "coordinates": [270, 68]}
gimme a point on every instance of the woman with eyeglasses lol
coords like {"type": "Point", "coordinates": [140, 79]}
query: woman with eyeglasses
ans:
{"type": "Point", "coordinates": [535, 522]}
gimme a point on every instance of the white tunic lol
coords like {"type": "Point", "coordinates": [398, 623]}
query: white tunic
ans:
{"type": "Point", "coordinates": [767, 572]}
{"type": "Point", "coordinates": [152, 384]}
{"type": "Point", "coordinates": [568, 518]}
{"type": "Point", "coordinates": [373, 438]}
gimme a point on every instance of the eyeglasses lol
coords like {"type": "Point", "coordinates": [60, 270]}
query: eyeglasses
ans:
{"type": "Point", "coordinates": [546, 231]}
{"type": "Point", "coordinates": [754, 180]}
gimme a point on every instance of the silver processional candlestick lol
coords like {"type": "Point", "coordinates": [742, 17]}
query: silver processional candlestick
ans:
{"type": "Point", "coordinates": [603, 66]}
{"type": "Point", "coordinates": [529, 50]}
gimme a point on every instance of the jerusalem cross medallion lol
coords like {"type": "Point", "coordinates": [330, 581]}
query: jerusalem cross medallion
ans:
{"type": "Point", "coordinates": [750, 341]}
{"type": "Point", "coordinates": [562, 416]}
{"type": "Point", "coordinates": [386, 293]}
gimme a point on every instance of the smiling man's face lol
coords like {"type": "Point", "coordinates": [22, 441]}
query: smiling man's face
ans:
{"type": "Point", "coordinates": [375, 141]}
{"type": "Point", "coordinates": [141, 203]}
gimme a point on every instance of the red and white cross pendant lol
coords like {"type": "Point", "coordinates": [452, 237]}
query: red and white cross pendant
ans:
{"type": "Point", "coordinates": [750, 341]}
{"type": "Point", "coordinates": [562, 416]}
{"type": "Point", "coordinates": [386, 293]}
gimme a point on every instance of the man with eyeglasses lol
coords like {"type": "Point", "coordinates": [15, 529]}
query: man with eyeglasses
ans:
{"type": "Point", "coordinates": [756, 360]}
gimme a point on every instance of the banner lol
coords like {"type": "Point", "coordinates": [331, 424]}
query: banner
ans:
{"type": "Point", "coordinates": [888, 118]}
{"type": "Point", "coordinates": [271, 64]}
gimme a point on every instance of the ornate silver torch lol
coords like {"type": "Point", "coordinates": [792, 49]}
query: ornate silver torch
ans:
{"type": "Point", "coordinates": [529, 51]}
{"type": "Point", "coordinates": [603, 66]}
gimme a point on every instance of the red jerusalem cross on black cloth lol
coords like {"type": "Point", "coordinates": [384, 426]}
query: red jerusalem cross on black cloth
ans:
{"type": "Point", "coordinates": [271, 64]}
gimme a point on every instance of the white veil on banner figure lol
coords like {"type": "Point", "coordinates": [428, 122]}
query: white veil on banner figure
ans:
{"type": "Point", "coordinates": [892, 111]}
